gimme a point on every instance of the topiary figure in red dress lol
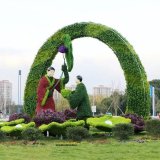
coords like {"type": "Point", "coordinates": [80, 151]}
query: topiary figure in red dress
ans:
{"type": "Point", "coordinates": [46, 87]}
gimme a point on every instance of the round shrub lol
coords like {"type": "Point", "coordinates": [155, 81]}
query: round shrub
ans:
{"type": "Point", "coordinates": [15, 116]}
{"type": "Point", "coordinates": [2, 136]}
{"type": "Point", "coordinates": [123, 131]}
{"type": "Point", "coordinates": [137, 121]}
{"type": "Point", "coordinates": [31, 134]}
{"type": "Point", "coordinates": [153, 127]}
{"type": "Point", "coordinates": [77, 133]}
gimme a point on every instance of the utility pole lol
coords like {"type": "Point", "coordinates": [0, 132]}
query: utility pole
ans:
{"type": "Point", "coordinates": [19, 90]}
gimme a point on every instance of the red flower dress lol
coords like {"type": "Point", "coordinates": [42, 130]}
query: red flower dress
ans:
{"type": "Point", "coordinates": [45, 90]}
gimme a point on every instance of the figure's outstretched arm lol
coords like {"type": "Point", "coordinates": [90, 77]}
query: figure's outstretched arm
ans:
{"type": "Point", "coordinates": [66, 75]}
{"type": "Point", "coordinates": [60, 83]}
{"type": "Point", "coordinates": [76, 97]}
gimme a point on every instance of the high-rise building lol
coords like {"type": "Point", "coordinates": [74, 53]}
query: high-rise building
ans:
{"type": "Point", "coordinates": [102, 91]}
{"type": "Point", "coordinates": [5, 96]}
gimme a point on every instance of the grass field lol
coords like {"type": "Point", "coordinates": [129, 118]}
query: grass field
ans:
{"type": "Point", "coordinates": [93, 149]}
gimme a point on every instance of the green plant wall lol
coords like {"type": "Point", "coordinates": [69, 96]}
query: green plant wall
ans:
{"type": "Point", "coordinates": [137, 86]}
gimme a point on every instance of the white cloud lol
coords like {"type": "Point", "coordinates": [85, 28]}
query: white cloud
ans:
{"type": "Point", "coordinates": [25, 26]}
{"type": "Point", "coordinates": [15, 58]}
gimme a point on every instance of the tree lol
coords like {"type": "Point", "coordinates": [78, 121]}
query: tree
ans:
{"type": "Point", "coordinates": [158, 106]}
{"type": "Point", "coordinates": [105, 104]}
{"type": "Point", "coordinates": [116, 103]}
{"type": "Point", "coordinates": [156, 83]}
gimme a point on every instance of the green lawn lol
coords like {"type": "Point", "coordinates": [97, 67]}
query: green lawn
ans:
{"type": "Point", "coordinates": [94, 149]}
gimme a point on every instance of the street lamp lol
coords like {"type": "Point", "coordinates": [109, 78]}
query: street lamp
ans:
{"type": "Point", "coordinates": [19, 90]}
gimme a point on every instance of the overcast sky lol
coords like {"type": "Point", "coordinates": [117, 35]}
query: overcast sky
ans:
{"type": "Point", "coordinates": [26, 24]}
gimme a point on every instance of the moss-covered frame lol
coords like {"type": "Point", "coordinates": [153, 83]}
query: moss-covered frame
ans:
{"type": "Point", "coordinates": [137, 87]}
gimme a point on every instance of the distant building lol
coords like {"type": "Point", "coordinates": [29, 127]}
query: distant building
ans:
{"type": "Point", "coordinates": [5, 96]}
{"type": "Point", "coordinates": [102, 91]}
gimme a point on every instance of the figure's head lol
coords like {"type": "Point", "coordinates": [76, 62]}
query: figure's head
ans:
{"type": "Point", "coordinates": [50, 72]}
{"type": "Point", "coordinates": [78, 79]}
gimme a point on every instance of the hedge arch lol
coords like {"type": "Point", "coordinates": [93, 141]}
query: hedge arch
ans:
{"type": "Point", "coordinates": [137, 87]}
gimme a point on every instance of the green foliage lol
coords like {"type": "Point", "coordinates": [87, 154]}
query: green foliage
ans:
{"type": "Point", "coordinates": [138, 100]}
{"type": "Point", "coordinates": [106, 123]}
{"type": "Point", "coordinates": [31, 134]}
{"type": "Point", "coordinates": [123, 131]}
{"type": "Point", "coordinates": [110, 104]}
{"type": "Point", "coordinates": [12, 123]}
{"type": "Point", "coordinates": [16, 130]}
{"type": "Point", "coordinates": [104, 105]}
{"type": "Point", "coordinates": [2, 135]}
{"type": "Point", "coordinates": [77, 133]}
{"type": "Point", "coordinates": [59, 128]}
{"type": "Point", "coordinates": [153, 127]}
{"type": "Point", "coordinates": [156, 83]}
{"type": "Point", "coordinates": [158, 105]}
{"type": "Point", "coordinates": [68, 55]}
{"type": "Point", "coordinates": [65, 92]}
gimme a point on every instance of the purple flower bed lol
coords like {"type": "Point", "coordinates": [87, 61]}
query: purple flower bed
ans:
{"type": "Point", "coordinates": [137, 121]}
{"type": "Point", "coordinates": [48, 116]}
{"type": "Point", "coordinates": [70, 114]}
{"type": "Point", "coordinates": [15, 116]}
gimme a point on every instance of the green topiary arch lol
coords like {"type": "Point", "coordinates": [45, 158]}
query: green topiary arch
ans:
{"type": "Point", "coordinates": [135, 76]}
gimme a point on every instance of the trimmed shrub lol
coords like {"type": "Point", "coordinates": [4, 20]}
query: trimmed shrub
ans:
{"type": "Point", "coordinates": [106, 122]}
{"type": "Point", "coordinates": [55, 128]}
{"type": "Point", "coordinates": [16, 116]}
{"type": "Point", "coordinates": [12, 123]}
{"type": "Point", "coordinates": [15, 131]}
{"type": "Point", "coordinates": [123, 131]}
{"type": "Point", "coordinates": [153, 127]}
{"type": "Point", "coordinates": [137, 121]}
{"type": "Point", "coordinates": [77, 133]}
{"type": "Point", "coordinates": [2, 135]}
{"type": "Point", "coordinates": [32, 134]}
{"type": "Point", "coordinates": [48, 116]}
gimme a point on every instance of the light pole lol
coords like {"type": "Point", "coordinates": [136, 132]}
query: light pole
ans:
{"type": "Point", "coordinates": [19, 90]}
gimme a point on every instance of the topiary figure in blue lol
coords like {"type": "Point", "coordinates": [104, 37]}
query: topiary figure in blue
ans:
{"type": "Point", "coordinates": [79, 99]}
